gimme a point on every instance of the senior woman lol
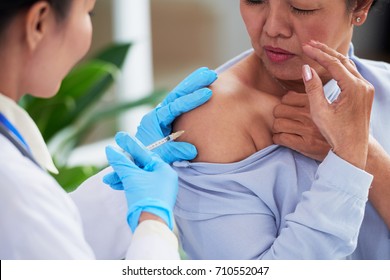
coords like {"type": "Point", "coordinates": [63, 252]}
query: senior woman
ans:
{"type": "Point", "coordinates": [244, 196]}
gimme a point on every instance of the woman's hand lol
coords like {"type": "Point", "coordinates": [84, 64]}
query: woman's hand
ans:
{"type": "Point", "coordinates": [294, 128]}
{"type": "Point", "coordinates": [345, 122]}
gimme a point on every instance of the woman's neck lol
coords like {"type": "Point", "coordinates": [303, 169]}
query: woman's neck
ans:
{"type": "Point", "coordinates": [7, 89]}
{"type": "Point", "coordinates": [10, 81]}
{"type": "Point", "coordinates": [297, 86]}
{"type": "Point", "coordinates": [252, 73]}
{"type": "Point", "coordinates": [259, 77]}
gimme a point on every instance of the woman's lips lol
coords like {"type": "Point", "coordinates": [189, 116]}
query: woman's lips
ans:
{"type": "Point", "coordinates": [277, 55]}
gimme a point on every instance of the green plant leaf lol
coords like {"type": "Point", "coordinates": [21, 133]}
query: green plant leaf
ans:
{"type": "Point", "coordinates": [68, 138]}
{"type": "Point", "coordinates": [70, 178]}
{"type": "Point", "coordinates": [114, 110]}
{"type": "Point", "coordinates": [115, 54]}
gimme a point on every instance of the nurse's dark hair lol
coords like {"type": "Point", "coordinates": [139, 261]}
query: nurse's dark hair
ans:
{"type": "Point", "coordinates": [10, 8]}
{"type": "Point", "coordinates": [359, 4]}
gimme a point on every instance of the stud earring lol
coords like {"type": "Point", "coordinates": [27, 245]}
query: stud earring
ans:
{"type": "Point", "coordinates": [358, 19]}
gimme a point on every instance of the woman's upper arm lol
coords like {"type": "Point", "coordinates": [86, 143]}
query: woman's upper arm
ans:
{"type": "Point", "coordinates": [208, 127]}
{"type": "Point", "coordinates": [215, 127]}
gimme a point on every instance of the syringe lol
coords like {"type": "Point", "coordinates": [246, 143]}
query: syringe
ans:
{"type": "Point", "coordinates": [158, 143]}
{"type": "Point", "coordinates": [164, 140]}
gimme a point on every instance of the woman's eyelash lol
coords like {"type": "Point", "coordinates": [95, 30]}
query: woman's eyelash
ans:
{"type": "Point", "coordinates": [254, 2]}
{"type": "Point", "coordinates": [293, 9]}
{"type": "Point", "coordinates": [302, 12]}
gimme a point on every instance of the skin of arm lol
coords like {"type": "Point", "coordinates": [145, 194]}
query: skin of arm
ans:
{"type": "Point", "coordinates": [145, 216]}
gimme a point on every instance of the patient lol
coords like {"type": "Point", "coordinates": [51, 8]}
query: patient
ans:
{"type": "Point", "coordinates": [244, 197]}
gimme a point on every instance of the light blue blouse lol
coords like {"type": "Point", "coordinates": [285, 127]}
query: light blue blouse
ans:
{"type": "Point", "coordinates": [279, 204]}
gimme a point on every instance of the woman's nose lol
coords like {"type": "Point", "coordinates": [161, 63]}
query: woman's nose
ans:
{"type": "Point", "coordinates": [277, 24]}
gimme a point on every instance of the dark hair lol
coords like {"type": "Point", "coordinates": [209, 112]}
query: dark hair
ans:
{"type": "Point", "coordinates": [10, 8]}
{"type": "Point", "coordinates": [358, 4]}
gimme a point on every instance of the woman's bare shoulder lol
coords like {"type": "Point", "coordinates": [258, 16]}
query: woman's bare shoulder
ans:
{"type": "Point", "coordinates": [216, 128]}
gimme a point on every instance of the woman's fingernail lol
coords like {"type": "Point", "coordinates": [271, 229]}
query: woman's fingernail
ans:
{"type": "Point", "coordinates": [307, 74]}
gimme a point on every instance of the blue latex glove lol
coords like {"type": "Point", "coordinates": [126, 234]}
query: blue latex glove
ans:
{"type": "Point", "coordinates": [149, 183]}
{"type": "Point", "coordinates": [188, 95]}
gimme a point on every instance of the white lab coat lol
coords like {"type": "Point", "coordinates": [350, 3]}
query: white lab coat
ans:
{"type": "Point", "coordinates": [39, 220]}
{"type": "Point", "coordinates": [104, 211]}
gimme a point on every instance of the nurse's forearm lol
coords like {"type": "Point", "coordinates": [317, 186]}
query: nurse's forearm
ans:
{"type": "Point", "coordinates": [146, 216]}
{"type": "Point", "coordinates": [378, 164]}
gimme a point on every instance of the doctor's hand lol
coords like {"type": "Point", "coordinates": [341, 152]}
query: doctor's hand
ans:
{"type": "Point", "coordinates": [345, 122]}
{"type": "Point", "coordinates": [188, 95]}
{"type": "Point", "coordinates": [150, 184]}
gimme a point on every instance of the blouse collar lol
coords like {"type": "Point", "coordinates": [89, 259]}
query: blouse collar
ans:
{"type": "Point", "coordinates": [21, 120]}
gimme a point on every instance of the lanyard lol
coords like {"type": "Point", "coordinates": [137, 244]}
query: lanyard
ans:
{"type": "Point", "coordinates": [13, 131]}
{"type": "Point", "coordinates": [10, 132]}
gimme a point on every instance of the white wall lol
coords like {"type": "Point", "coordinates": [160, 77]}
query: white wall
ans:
{"type": "Point", "coordinates": [193, 33]}
{"type": "Point", "coordinates": [131, 20]}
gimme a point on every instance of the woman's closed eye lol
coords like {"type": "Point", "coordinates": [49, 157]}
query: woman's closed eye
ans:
{"type": "Point", "coordinates": [254, 2]}
{"type": "Point", "coordinates": [300, 11]}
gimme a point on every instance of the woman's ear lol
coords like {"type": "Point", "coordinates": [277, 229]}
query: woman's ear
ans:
{"type": "Point", "coordinates": [38, 21]}
{"type": "Point", "coordinates": [360, 13]}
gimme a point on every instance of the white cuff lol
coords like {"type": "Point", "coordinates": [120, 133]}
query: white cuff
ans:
{"type": "Point", "coordinates": [153, 240]}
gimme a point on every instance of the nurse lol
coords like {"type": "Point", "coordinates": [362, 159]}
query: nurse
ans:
{"type": "Point", "coordinates": [40, 41]}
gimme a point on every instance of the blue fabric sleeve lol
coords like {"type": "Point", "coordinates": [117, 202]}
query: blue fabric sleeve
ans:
{"type": "Point", "coordinates": [326, 222]}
